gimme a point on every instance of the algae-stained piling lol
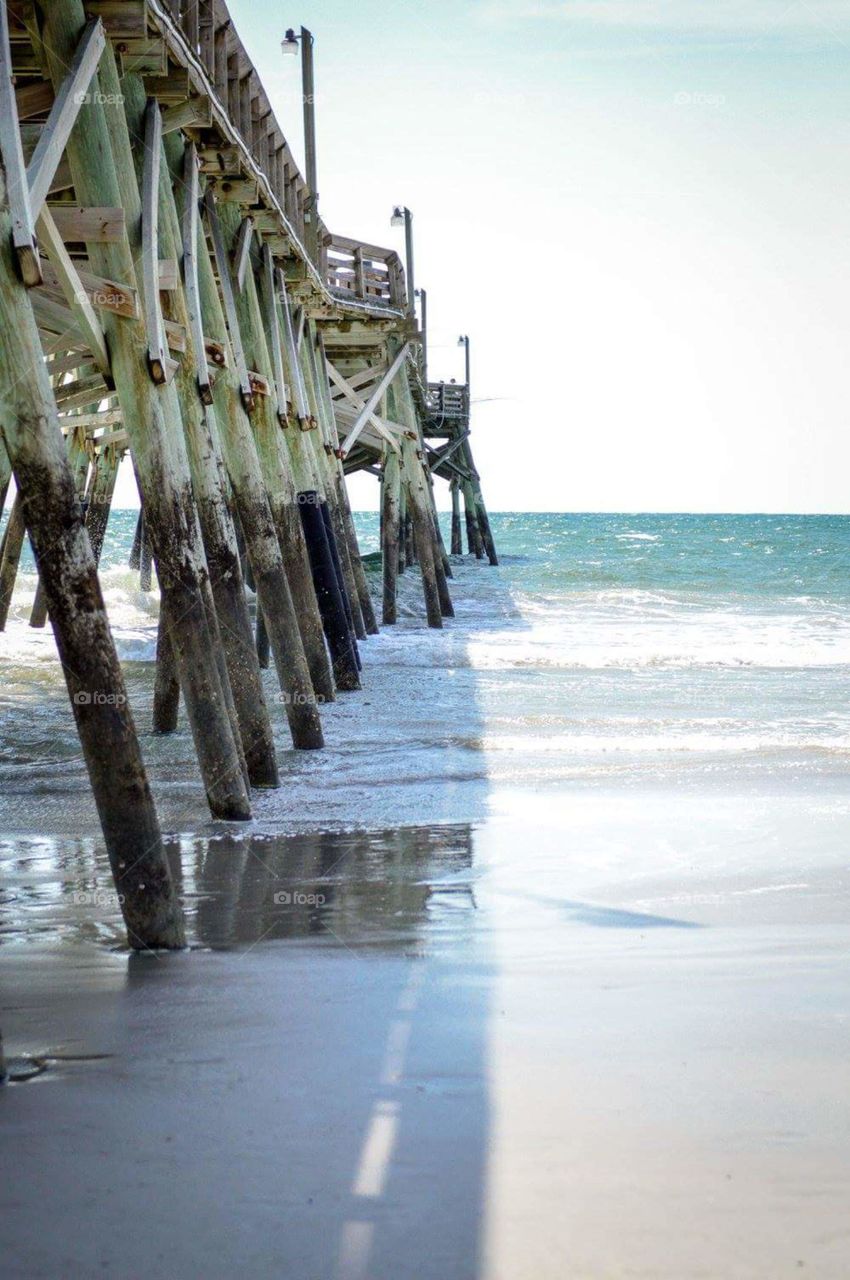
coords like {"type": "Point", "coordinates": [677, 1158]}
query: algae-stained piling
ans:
{"type": "Point", "coordinates": [170, 294]}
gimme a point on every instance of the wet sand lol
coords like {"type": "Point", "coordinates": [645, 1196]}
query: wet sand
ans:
{"type": "Point", "coordinates": [443, 1052]}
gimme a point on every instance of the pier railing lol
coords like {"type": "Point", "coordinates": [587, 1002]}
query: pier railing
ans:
{"type": "Point", "coordinates": [365, 271]}
{"type": "Point", "coordinates": [448, 401]}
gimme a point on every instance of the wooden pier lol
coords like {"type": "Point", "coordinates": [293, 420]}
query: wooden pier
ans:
{"type": "Point", "coordinates": [168, 290]}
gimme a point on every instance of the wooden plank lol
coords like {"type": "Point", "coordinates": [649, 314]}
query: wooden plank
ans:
{"type": "Point", "coordinates": [195, 113]}
{"type": "Point", "coordinates": [70, 97]}
{"type": "Point", "coordinates": [173, 87]}
{"type": "Point", "coordinates": [365, 413]}
{"type": "Point", "coordinates": [122, 19]}
{"type": "Point", "coordinates": [34, 99]}
{"type": "Point", "coordinates": [273, 332]}
{"type": "Point", "coordinates": [75, 292]}
{"type": "Point", "coordinates": [302, 410]}
{"type": "Point", "coordinates": [146, 57]}
{"type": "Point", "coordinates": [228, 299]}
{"type": "Point", "coordinates": [17, 186]}
{"type": "Point", "coordinates": [175, 335]}
{"type": "Point", "coordinates": [242, 251]}
{"type": "Point", "coordinates": [168, 274]}
{"type": "Point", "coordinates": [92, 421]}
{"type": "Point", "coordinates": [239, 190]}
{"type": "Point", "coordinates": [88, 225]}
{"type": "Point", "coordinates": [106, 295]}
{"type": "Point", "coordinates": [160, 364]}
{"type": "Point", "coordinates": [190, 270]}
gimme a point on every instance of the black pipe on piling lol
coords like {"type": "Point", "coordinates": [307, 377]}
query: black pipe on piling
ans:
{"type": "Point", "coordinates": [331, 607]}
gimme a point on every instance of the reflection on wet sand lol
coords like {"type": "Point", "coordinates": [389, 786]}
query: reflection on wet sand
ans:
{"type": "Point", "coordinates": [353, 889]}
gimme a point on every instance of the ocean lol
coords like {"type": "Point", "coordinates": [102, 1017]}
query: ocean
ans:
{"type": "Point", "coordinates": [539, 969]}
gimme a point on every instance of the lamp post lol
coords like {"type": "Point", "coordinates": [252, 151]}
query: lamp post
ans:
{"type": "Point", "coordinates": [402, 217]}
{"type": "Point", "coordinates": [289, 46]}
{"type": "Point", "coordinates": [463, 341]}
{"type": "Point", "coordinates": [423, 311]}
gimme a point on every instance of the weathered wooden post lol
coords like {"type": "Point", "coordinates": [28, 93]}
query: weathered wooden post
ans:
{"type": "Point", "coordinates": [456, 545]}
{"type": "Point", "coordinates": [390, 534]}
{"type": "Point", "coordinates": [51, 511]}
{"type": "Point", "coordinates": [10, 557]}
{"type": "Point", "coordinates": [323, 452]}
{"type": "Point", "coordinates": [420, 520]}
{"type": "Point", "coordinates": [100, 501]}
{"type": "Point", "coordinates": [166, 688]}
{"type": "Point", "coordinates": [275, 461]}
{"type": "Point", "coordinates": [474, 545]}
{"type": "Point", "coordinates": [319, 535]}
{"type": "Point", "coordinates": [199, 424]}
{"type": "Point", "coordinates": [338, 478]}
{"type": "Point", "coordinates": [244, 469]}
{"type": "Point", "coordinates": [429, 549]}
{"type": "Point", "coordinates": [101, 166]}
{"type": "Point", "coordinates": [78, 459]}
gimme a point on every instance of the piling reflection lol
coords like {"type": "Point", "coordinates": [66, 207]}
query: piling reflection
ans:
{"type": "Point", "coordinates": [377, 889]}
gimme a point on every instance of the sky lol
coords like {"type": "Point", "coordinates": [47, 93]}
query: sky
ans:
{"type": "Point", "coordinates": [638, 211]}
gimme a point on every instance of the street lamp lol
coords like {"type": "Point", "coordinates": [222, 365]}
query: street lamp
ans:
{"type": "Point", "coordinates": [463, 341]}
{"type": "Point", "coordinates": [289, 46]}
{"type": "Point", "coordinates": [402, 217]}
{"type": "Point", "coordinates": [423, 325]}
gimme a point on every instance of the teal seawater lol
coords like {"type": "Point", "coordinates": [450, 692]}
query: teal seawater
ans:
{"type": "Point", "coordinates": [784, 556]}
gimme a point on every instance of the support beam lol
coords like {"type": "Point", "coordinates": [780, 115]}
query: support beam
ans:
{"type": "Point", "coordinates": [72, 92]}
{"type": "Point", "coordinates": [390, 492]}
{"type": "Point", "coordinates": [75, 294]}
{"type": "Point", "coordinates": [374, 398]}
{"type": "Point", "coordinates": [17, 186]}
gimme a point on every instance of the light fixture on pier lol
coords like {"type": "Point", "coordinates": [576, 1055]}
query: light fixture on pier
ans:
{"type": "Point", "coordinates": [397, 220]}
{"type": "Point", "coordinates": [462, 340]}
{"type": "Point", "coordinates": [289, 44]}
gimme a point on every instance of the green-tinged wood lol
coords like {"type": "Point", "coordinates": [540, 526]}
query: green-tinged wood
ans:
{"type": "Point", "coordinates": [474, 544]}
{"type": "Point", "coordinates": [337, 470]}
{"type": "Point", "coordinates": [10, 557]}
{"type": "Point", "coordinates": [417, 505]}
{"type": "Point", "coordinates": [276, 463]}
{"type": "Point", "coordinates": [390, 493]}
{"type": "Point", "coordinates": [101, 166]}
{"type": "Point", "coordinates": [51, 510]}
{"type": "Point", "coordinates": [100, 498]}
{"type": "Point", "coordinates": [429, 549]}
{"type": "Point", "coordinates": [319, 442]}
{"type": "Point", "coordinates": [456, 545]}
{"type": "Point", "coordinates": [249, 493]}
{"type": "Point", "coordinates": [166, 689]}
{"type": "Point", "coordinates": [78, 461]}
{"type": "Point", "coordinates": [207, 471]}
